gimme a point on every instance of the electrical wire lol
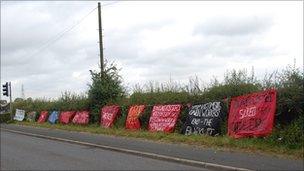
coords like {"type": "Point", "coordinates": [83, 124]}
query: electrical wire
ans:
{"type": "Point", "coordinates": [60, 35]}
{"type": "Point", "coordinates": [111, 3]}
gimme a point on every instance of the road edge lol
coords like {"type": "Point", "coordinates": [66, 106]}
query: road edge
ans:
{"type": "Point", "coordinates": [135, 152]}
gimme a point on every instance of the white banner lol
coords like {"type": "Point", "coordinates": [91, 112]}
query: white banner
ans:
{"type": "Point", "coordinates": [19, 116]}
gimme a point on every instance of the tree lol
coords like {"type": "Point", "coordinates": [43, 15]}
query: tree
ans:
{"type": "Point", "coordinates": [106, 88]}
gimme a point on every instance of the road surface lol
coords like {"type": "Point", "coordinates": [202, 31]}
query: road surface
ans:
{"type": "Point", "coordinates": [21, 152]}
{"type": "Point", "coordinates": [207, 157]}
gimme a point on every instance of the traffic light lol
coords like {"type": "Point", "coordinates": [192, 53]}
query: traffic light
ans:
{"type": "Point", "coordinates": [5, 89]}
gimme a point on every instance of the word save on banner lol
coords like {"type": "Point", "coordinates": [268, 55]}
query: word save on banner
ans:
{"type": "Point", "coordinates": [164, 117]}
{"type": "Point", "coordinates": [81, 118]}
{"type": "Point", "coordinates": [66, 116]}
{"type": "Point", "coordinates": [108, 115]}
{"type": "Point", "coordinates": [43, 116]}
{"type": "Point", "coordinates": [19, 115]}
{"type": "Point", "coordinates": [132, 121]}
{"type": "Point", "coordinates": [252, 114]}
{"type": "Point", "coordinates": [204, 119]}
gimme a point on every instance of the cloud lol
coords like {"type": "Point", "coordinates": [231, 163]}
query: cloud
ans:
{"type": "Point", "coordinates": [226, 26]}
{"type": "Point", "coordinates": [50, 71]}
{"type": "Point", "coordinates": [202, 53]}
{"type": "Point", "coordinates": [149, 42]}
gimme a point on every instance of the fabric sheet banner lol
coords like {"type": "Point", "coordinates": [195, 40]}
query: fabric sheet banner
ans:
{"type": "Point", "coordinates": [132, 121]}
{"type": "Point", "coordinates": [204, 119]}
{"type": "Point", "coordinates": [81, 118]}
{"type": "Point", "coordinates": [164, 117]}
{"type": "Point", "coordinates": [19, 115]}
{"type": "Point", "coordinates": [252, 114]}
{"type": "Point", "coordinates": [66, 117]}
{"type": "Point", "coordinates": [43, 116]}
{"type": "Point", "coordinates": [31, 116]}
{"type": "Point", "coordinates": [53, 117]}
{"type": "Point", "coordinates": [109, 115]}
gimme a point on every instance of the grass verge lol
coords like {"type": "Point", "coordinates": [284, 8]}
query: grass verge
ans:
{"type": "Point", "coordinates": [220, 143]}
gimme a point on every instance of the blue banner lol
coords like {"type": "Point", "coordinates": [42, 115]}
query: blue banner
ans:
{"type": "Point", "coordinates": [53, 117]}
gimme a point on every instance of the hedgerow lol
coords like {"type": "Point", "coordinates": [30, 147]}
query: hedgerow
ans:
{"type": "Point", "coordinates": [106, 89]}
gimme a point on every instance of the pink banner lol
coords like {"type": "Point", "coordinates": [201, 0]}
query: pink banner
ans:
{"type": "Point", "coordinates": [65, 117]}
{"type": "Point", "coordinates": [164, 117]}
{"type": "Point", "coordinates": [81, 118]}
{"type": "Point", "coordinates": [43, 116]}
{"type": "Point", "coordinates": [109, 115]}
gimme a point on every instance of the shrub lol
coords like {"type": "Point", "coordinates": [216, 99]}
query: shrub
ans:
{"type": "Point", "coordinates": [106, 88]}
{"type": "Point", "coordinates": [290, 95]}
{"type": "Point", "coordinates": [144, 118]}
{"type": "Point", "coordinates": [5, 117]}
{"type": "Point", "coordinates": [121, 118]}
{"type": "Point", "coordinates": [67, 101]}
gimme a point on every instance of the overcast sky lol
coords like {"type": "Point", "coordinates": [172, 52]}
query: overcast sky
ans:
{"type": "Point", "coordinates": [149, 41]}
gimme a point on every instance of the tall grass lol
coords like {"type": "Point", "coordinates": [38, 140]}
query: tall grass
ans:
{"type": "Point", "coordinates": [67, 101]}
{"type": "Point", "coordinates": [288, 82]}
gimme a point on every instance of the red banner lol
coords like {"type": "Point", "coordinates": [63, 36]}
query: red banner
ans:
{"type": "Point", "coordinates": [164, 117]}
{"type": "Point", "coordinates": [81, 118]}
{"type": "Point", "coordinates": [252, 114]}
{"type": "Point", "coordinates": [108, 115]}
{"type": "Point", "coordinates": [66, 116]}
{"type": "Point", "coordinates": [43, 116]}
{"type": "Point", "coordinates": [132, 121]}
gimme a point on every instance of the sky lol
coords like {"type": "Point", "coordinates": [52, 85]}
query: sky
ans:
{"type": "Point", "coordinates": [148, 40]}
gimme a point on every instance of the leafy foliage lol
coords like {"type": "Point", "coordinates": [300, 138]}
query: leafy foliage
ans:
{"type": "Point", "coordinates": [67, 101]}
{"type": "Point", "coordinates": [106, 88]}
{"type": "Point", "coordinates": [5, 117]}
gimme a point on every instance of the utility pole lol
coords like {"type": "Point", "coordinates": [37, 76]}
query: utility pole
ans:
{"type": "Point", "coordinates": [100, 38]}
{"type": "Point", "coordinates": [22, 92]}
{"type": "Point", "coordinates": [11, 105]}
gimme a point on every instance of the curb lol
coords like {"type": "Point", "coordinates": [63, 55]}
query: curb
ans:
{"type": "Point", "coordinates": [139, 153]}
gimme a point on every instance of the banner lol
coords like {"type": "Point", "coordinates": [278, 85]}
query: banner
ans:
{"type": "Point", "coordinates": [53, 117]}
{"type": "Point", "coordinates": [31, 116]}
{"type": "Point", "coordinates": [81, 117]}
{"type": "Point", "coordinates": [108, 115]}
{"type": "Point", "coordinates": [252, 114]}
{"type": "Point", "coordinates": [132, 121]}
{"type": "Point", "coordinates": [19, 115]}
{"type": "Point", "coordinates": [43, 116]}
{"type": "Point", "coordinates": [204, 119]}
{"type": "Point", "coordinates": [66, 116]}
{"type": "Point", "coordinates": [164, 117]}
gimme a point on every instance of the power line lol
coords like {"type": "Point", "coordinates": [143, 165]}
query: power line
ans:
{"type": "Point", "coordinates": [60, 35]}
{"type": "Point", "coordinates": [111, 3]}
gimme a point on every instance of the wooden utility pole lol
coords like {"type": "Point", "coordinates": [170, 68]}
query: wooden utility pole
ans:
{"type": "Point", "coordinates": [100, 38]}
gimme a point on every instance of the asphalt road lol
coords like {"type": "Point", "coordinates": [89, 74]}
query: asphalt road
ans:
{"type": "Point", "coordinates": [251, 161]}
{"type": "Point", "coordinates": [21, 152]}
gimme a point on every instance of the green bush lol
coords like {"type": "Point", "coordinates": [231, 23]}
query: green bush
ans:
{"type": "Point", "coordinates": [106, 88]}
{"type": "Point", "coordinates": [290, 95]}
{"type": "Point", "coordinates": [121, 118]}
{"type": "Point", "coordinates": [94, 115]}
{"type": "Point", "coordinates": [290, 135]}
{"type": "Point", "coordinates": [144, 118]}
{"type": "Point", "coordinates": [5, 117]}
{"type": "Point", "coordinates": [67, 101]}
